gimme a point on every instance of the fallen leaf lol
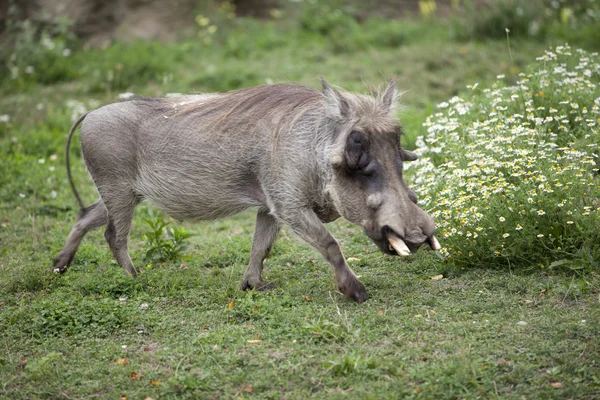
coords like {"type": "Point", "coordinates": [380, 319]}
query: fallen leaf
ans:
{"type": "Point", "coordinates": [122, 361]}
{"type": "Point", "coordinates": [436, 277]}
{"type": "Point", "coordinates": [254, 341]}
{"type": "Point", "coordinates": [154, 383]}
{"type": "Point", "coordinates": [152, 347]}
{"type": "Point", "coordinates": [527, 301]}
{"type": "Point", "coordinates": [230, 305]}
{"type": "Point", "coordinates": [22, 362]}
{"type": "Point", "coordinates": [148, 398]}
{"type": "Point", "coordinates": [543, 291]}
{"type": "Point", "coordinates": [307, 299]}
{"type": "Point", "coordinates": [123, 397]}
{"type": "Point", "coordinates": [249, 389]}
{"type": "Point", "coordinates": [380, 312]}
{"type": "Point", "coordinates": [503, 361]}
{"type": "Point", "coordinates": [351, 259]}
{"type": "Point", "coordinates": [135, 375]}
{"type": "Point", "coordinates": [556, 385]}
{"type": "Point", "coordinates": [417, 390]}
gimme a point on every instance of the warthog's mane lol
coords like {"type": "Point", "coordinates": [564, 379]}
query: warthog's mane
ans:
{"type": "Point", "coordinates": [283, 105]}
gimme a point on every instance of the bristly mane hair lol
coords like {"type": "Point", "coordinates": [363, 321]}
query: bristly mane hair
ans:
{"type": "Point", "coordinates": [287, 104]}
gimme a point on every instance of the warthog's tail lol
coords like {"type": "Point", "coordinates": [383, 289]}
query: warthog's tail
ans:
{"type": "Point", "coordinates": [67, 159]}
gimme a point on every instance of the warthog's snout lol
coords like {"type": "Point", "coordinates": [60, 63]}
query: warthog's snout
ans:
{"type": "Point", "coordinates": [409, 244]}
{"type": "Point", "coordinates": [404, 244]}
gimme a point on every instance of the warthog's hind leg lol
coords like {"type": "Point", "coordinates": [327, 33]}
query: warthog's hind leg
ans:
{"type": "Point", "coordinates": [120, 212]}
{"type": "Point", "coordinates": [265, 234]}
{"type": "Point", "coordinates": [88, 218]}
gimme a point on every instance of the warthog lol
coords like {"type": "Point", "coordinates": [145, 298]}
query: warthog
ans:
{"type": "Point", "coordinates": [300, 156]}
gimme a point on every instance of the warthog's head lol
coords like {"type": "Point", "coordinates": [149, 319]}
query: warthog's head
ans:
{"type": "Point", "coordinates": [367, 186]}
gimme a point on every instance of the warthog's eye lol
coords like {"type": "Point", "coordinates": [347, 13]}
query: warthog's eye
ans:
{"type": "Point", "coordinates": [356, 152]}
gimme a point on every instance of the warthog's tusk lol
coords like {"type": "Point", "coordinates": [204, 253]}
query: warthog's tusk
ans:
{"type": "Point", "coordinates": [398, 245]}
{"type": "Point", "coordinates": [435, 245]}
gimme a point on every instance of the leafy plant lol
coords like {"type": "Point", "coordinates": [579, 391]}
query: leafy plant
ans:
{"type": "Point", "coordinates": [322, 329]}
{"type": "Point", "coordinates": [348, 364]}
{"type": "Point", "coordinates": [40, 368]}
{"type": "Point", "coordinates": [163, 242]}
{"type": "Point", "coordinates": [510, 173]}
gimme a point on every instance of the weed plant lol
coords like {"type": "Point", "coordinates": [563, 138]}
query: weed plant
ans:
{"type": "Point", "coordinates": [163, 242]}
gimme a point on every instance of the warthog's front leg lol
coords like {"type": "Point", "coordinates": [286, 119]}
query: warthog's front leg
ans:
{"type": "Point", "coordinates": [310, 228]}
{"type": "Point", "coordinates": [265, 234]}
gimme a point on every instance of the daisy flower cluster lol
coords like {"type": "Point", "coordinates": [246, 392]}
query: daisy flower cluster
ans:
{"type": "Point", "coordinates": [511, 173]}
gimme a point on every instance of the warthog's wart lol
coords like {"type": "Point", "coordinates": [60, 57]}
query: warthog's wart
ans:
{"type": "Point", "coordinates": [299, 156]}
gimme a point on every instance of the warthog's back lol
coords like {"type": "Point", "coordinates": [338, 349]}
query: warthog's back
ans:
{"type": "Point", "coordinates": [196, 157]}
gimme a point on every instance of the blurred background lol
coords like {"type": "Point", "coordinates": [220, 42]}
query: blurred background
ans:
{"type": "Point", "coordinates": [79, 54]}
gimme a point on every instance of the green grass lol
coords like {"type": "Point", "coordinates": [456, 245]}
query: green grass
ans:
{"type": "Point", "coordinates": [453, 338]}
{"type": "Point", "coordinates": [190, 332]}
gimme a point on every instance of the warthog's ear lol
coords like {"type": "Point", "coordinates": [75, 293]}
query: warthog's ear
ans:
{"type": "Point", "coordinates": [390, 96]}
{"type": "Point", "coordinates": [336, 105]}
{"type": "Point", "coordinates": [408, 155]}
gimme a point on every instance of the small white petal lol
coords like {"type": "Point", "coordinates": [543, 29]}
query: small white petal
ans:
{"type": "Point", "coordinates": [126, 95]}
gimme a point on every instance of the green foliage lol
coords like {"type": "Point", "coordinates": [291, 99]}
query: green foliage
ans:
{"type": "Point", "coordinates": [36, 53]}
{"type": "Point", "coordinates": [511, 173]}
{"type": "Point", "coordinates": [327, 18]}
{"type": "Point", "coordinates": [163, 242]}
{"type": "Point", "coordinates": [70, 316]}
{"type": "Point", "coordinates": [322, 329]}
{"type": "Point", "coordinates": [121, 66]}
{"type": "Point", "coordinates": [572, 21]}
{"type": "Point", "coordinates": [343, 33]}
{"type": "Point", "coordinates": [520, 17]}
{"type": "Point", "coordinates": [42, 368]}
{"type": "Point", "coordinates": [350, 364]}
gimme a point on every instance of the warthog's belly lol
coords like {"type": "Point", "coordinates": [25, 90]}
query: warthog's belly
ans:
{"type": "Point", "coordinates": [190, 197]}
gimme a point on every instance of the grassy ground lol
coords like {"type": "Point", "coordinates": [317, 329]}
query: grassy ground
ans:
{"type": "Point", "coordinates": [184, 329]}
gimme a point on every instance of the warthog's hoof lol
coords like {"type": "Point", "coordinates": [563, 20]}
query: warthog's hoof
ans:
{"type": "Point", "coordinates": [252, 284]}
{"type": "Point", "coordinates": [61, 264]}
{"type": "Point", "coordinates": [355, 290]}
